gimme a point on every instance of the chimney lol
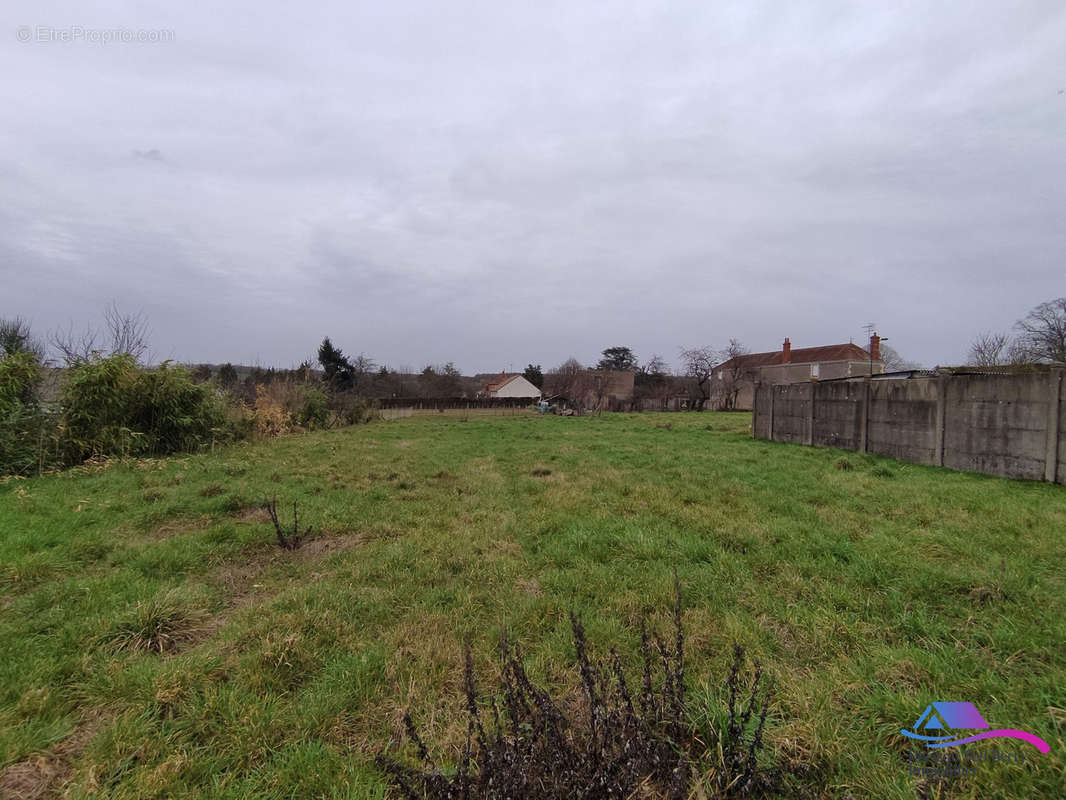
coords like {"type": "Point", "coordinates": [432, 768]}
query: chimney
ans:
{"type": "Point", "coordinates": [875, 347]}
{"type": "Point", "coordinates": [786, 352]}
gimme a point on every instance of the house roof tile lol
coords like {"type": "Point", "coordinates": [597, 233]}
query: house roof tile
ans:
{"type": "Point", "coordinates": [803, 355]}
{"type": "Point", "coordinates": [500, 382]}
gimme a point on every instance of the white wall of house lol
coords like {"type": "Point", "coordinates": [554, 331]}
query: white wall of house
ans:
{"type": "Point", "coordinates": [519, 387]}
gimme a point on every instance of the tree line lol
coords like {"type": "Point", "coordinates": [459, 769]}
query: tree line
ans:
{"type": "Point", "coordinates": [1038, 337]}
{"type": "Point", "coordinates": [110, 400]}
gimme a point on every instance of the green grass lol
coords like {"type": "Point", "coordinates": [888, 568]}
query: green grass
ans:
{"type": "Point", "coordinates": [867, 588]}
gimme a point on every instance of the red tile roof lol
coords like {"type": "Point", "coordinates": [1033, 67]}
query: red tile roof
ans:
{"type": "Point", "coordinates": [500, 382]}
{"type": "Point", "coordinates": [804, 355]}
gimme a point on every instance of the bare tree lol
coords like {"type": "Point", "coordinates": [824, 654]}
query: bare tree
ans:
{"type": "Point", "coordinates": [128, 333]}
{"type": "Point", "coordinates": [650, 380]}
{"type": "Point", "coordinates": [892, 361]}
{"type": "Point", "coordinates": [451, 380]}
{"type": "Point", "coordinates": [120, 334]}
{"type": "Point", "coordinates": [655, 369]}
{"type": "Point", "coordinates": [699, 363]}
{"type": "Point", "coordinates": [362, 366]}
{"type": "Point", "coordinates": [75, 347]}
{"type": "Point", "coordinates": [439, 381]}
{"type": "Point", "coordinates": [988, 349]}
{"type": "Point", "coordinates": [731, 375]}
{"type": "Point", "coordinates": [599, 382]}
{"type": "Point", "coordinates": [1042, 333]}
{"type": "Point", "coordinates": [569, 380]}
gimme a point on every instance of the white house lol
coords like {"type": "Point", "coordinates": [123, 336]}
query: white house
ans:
{"type": "Point", "coordinates": [511, 386]}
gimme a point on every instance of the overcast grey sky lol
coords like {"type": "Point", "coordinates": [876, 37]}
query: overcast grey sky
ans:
{"type": "Point", "coordinates": [496, 183]}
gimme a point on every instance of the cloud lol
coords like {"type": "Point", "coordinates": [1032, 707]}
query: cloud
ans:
{"type": "Point", "coordinates": [149, 155]}
{"type": "Point", "coordinates": [496, 184]}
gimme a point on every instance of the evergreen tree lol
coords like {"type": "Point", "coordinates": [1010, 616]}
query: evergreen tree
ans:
{"type": "Point", "coordinates": [227, 375]}
{"type": "Point", "coordinates": [619, 358]}
{"type": "Point", "coordinates": [535, 375]}
{"type": "Point", "coordinates": [338, 370]}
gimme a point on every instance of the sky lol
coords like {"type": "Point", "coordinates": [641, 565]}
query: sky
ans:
{"type": "Point", "coordinates": [498, 183]}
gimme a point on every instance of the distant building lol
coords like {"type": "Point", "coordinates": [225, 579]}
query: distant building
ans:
{"type": "Point", "coordinates": [733, 382]}
{"type": "Point", "coordinates": [591, 389]}
{"type": "Point", "coordinates": [610, 390]}
{"type": "Point", "coordinates": [505, 385]}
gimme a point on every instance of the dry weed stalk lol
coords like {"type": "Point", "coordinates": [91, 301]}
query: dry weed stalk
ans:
{"type": "Point", "coordinates": [606, 746]}
{"type": "Point", "coordinates": [288, 541]}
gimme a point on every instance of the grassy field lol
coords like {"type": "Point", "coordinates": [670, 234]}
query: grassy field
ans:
{"type": "Point", "coordinates": [867, 587]}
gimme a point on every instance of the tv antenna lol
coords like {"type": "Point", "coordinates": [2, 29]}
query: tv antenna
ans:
{"type": "Point", "coordinates": [869, 327]}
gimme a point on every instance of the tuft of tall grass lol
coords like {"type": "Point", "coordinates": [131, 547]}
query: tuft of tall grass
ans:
{"type": "Point", "coordinates": [158, 625]}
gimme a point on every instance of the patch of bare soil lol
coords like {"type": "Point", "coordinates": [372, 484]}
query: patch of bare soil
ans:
{"type": "Point", "coordinates": [324, 544]}
{"type": "Point", "coordinates": [44, 775]}
{"type": "Point", "coordinates": [253, 514]}
{"type": "Point", "coordinates": [238, 578]}
{"type": "Point", "coordinates": [241, 579]}
{"type": "Point", "coordinates": [530, 586]}
{"type": "Point", "coordinates": [179, 527]}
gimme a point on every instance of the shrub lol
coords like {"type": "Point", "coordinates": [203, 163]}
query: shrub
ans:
{"type": "Point", "coordinates": [97, 399]}
{"type": "Point", "coordinates": [112, 406]}
{"type": "Point", "coordinates": [348, 408]}
{"type": "Point", "coordinates": [27, 432]}
{"type": "Point", "coordinates": [173, 411]}
{"type": "Point", "coordinates": [29, 440]}
{"type": "Point", "coordinates": [270, 416]}
{"type": "Point", "coordinates": [20, 375]}
{"type": "Point", "coordinates": [239, 420]}
{"type": "Point", "coordinates": [285, 405]}
{"type": "Point", "coordinates": [311, 407]}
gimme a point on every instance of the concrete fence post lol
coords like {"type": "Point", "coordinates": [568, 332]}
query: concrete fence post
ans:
{"type": "Point", "coordinates": [1051, 461]}
{"type": "Point", "coordinates": [864, 417]}
{"type": "Point", "coordinates": [810, 415]}
{"type": "Point", "coordinates": [941, 407]}
{"type": "Point", "coordinates": [770, 428]}
{"type": "Point", "coordinates": [755, 412]}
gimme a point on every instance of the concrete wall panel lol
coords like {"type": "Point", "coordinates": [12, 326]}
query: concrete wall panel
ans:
{"type": "Point", "coordinates": [1061, 472]}
{"type": "Point", "coordinates": [761, 417]}
{"type": "Point", "coordinates": [838, 414]}
{"type": "Point", "coordinates": [998, 424]}
{"type": "Point", "coordinates": [903, 420]}
{"type": "Point", "coordinates": [791, 404]}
